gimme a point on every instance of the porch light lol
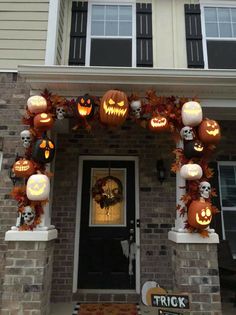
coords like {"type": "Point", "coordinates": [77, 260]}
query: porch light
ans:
{"type": "Point", "coordinates": [161, 171]}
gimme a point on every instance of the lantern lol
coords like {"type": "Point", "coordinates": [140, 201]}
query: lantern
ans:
{"type": "Point", "coordinates": [38, 187]}
{"type": "Point", "coordinates": [43, 150]}
{"type": "Point", "coordinates": [158, 124]}
{"type": "Point", "coordinates": [199, 214]}
{"type": "Point", "coordinates": [193, 149]}
{"type": "Point", "coordinates": [209, 131]}
{"type": "Point", "coordinates": [114, 108]}
{"type": "Point", "coordinates": [23, 168]}
{"type": "Point", "coordinates": [37, 104]}
{"type": "Point", "coordinates": [191, 114]}
{"type": "Point", "coordinates": [43, 121]}
{"type": "Point", "coordinates": [85, 106]}
{"type": "Point", "coordinates": [191, 171]}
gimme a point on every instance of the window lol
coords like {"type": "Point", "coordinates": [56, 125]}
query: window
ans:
{"type": "Point", "coordinates": [227, 180]}
{"type": "Point", "coordinates": [0, 160]}
{"type": "Point", "coordinates": [220, 37]}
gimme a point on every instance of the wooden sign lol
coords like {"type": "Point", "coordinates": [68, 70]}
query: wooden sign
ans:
{"type": "Point", "coordinates": [175, 301]}
{"type": "Point", "coordinates": [163, 312]}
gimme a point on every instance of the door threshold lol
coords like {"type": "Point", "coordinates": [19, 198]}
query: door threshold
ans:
{"type": "Point", "coordinates": [107, 291]}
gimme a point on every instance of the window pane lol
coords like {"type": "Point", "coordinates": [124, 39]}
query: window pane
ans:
{"type": "Point", "coordinates": [224, 15]}
{"type": "Point", "coordinates": [125, 13]}
{"type": "Point", "coordinates": [233, 13]}
{"type": "Point", "coordinates": [111, 29]}
{"type": "Point", "coordinates": [97, 28]}
{"type": "Point", "coordinates": [234, 29]}
{"type": "Point", "coordinates": [225, 30]}
{"type": "Point", "coordinates": [125, 28]}
{"type": "Point", "coordinates": [210, 15]}
{"type": "Point", "coordinates": [212, 30]}
{"type": "Point", "coordinates": [111, 13]}
{"type": "Point", "coordinates": [230, 220]}
{"type": "Point", "coordinates": [98, 12]}
{"type": "Point", "coordinates": [228, 185]}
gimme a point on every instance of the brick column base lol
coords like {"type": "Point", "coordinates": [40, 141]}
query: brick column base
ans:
{"type": "Point", "coordinates": [27, 280]}
{"type": "Point", "coordinates": [195, 271]}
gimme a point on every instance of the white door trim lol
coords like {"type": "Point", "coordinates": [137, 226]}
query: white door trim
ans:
{"type": "Point", "coordinates": [83, 158]}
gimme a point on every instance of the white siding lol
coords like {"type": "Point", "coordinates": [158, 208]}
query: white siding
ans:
{"type": "Point", "coordinates": [23, 32]}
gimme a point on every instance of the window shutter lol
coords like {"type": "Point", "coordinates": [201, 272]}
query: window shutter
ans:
{"type": "Point", "coordinates": [193, 36]}
{"type": "Point", "coordinates": [144, 34]}
{"type": "Point", "coordinates": [78, 33]}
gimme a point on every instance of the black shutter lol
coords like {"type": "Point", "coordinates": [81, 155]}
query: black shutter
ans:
{"type": "Point", "coordinates": [144, 34]}
{"type": "Point", "coordinates": [78, 33]}
{"type": "Point", "coordinates": [194, 36]}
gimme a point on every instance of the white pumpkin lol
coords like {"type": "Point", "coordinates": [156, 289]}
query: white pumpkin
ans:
{"type": "Point", "coordinates": [37, 104]}
{"type": "Point", "coordinates": [191, 114]}
{"type": "Point", "coordinates": [38, 187]}
{"type": "Point", "coordinates": [191, 171]}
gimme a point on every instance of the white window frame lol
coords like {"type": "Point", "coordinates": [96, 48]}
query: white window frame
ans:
{"type": "Point", "coordinates": [89, 37]}
{"type": "Point", "coordinates": [213, 4]}
{"type": "Point", "coordinates": [1, 158]}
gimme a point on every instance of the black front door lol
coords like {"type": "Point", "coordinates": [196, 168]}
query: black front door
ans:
{"type": "Point", "coordinates": [106, 231]}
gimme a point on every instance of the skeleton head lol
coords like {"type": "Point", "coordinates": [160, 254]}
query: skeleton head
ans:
{"type": "Point", "coordinates": [60, 112]}
{"type": "Point", "coordinates": [26, 138]}
{"type": "Point", "coordinates": [187, 133]}
{"type": "Point", "coordinates": [28, 215]}
{"type": "Point", "coordinates": [205, 189]}
{"type": "Point", "coordinates": [136, 108]}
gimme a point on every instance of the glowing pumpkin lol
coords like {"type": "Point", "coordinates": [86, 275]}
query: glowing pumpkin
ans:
{"type": "Point", "coordinates": [23, 168]}
{"type": "Point", "coordinates": [193, 148]}
{"type": "Point", "coordinates": [85, 106]}
{"type": "Point", "coordinates": [191, 114]}
{"type": "Point", "coordinates": [158, 124]}
{"type": "Point", "coordinates": [199, 214]}
{"type": "Point", "coordinates": [43, 121]}
{"type": "Point", "coordinates": [37, 104]}
{"type": "Point", "coordinates": [113, 108]}
{"type": "Point", "coordinates": [43, 150]}
{"type": "Point", "coordinates": [209, 131]}
{"type": "Point", "coordinates": [191, 171]}
{"type": "Point", "coordinates": [38, 187]}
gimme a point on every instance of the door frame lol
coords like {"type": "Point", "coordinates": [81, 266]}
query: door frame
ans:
{"type": "Point", "coordinates": [83, 158]}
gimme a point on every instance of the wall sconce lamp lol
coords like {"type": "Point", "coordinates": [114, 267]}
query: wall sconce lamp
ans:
{"type": "Point", "coordinates": [161, 171]}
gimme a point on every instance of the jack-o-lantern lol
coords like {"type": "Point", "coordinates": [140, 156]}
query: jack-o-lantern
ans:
{"type": "Point", "coordinates": [191, 171]}
{"type": "Point", "coordinates": [38, 187]}
{"type": "Point", "coordinates": [37, 104]}
{"type": "Point", "coordinates": [191, 114]}
{"type": "Point", "coordinates": [43, 150]}
{"type": "Point", "coordinates": [193, 148]}
{"type": "Point", "coordinates": [85, 106]}
{"type": "Point", "coordinates": [199, 214]}
{"type": "Point", "coordinates": [23, 168]}
{"type": "Point", "coordinates": [43, 121]}
{"type": "Point", "coordinates": [158, 124]}
{"type": "Point", "coordinates": [209, 131]}
{"type": "Point", "coordinates": [113, 108]}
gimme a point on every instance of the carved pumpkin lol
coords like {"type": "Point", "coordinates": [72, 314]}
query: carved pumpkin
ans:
{"type": "Point", "coordinates": [38, 187]}
{"type": "Point", "coordinates": [43, 121]}
{"type": "Point", "coordinates": [43, 150]}
{"type": "Point", "coordinates": [209, 131]}
{"type": "Point", "coordinates": [191, 171]}
{"type": "Point", "coordinates": [151, 291]}
{"type": "Point", "coordinates": [158, 124]}
{"type": "Point", "coordinates": [113, 108]}
{"type": "Point", "coordinates": [23, 168]}
{"type": "Point", "coordinates": [37, 104]}
{"type": "Point", "coordinates": [191, 114]}
{"type": "Point", "coordinates": [85, 106]}
{"type": "Point", "coordinates": [193, 148]}
{"type": "Point", "coordinates": [199, 214]}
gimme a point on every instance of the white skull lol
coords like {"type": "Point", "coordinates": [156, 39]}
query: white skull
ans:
{"type": "Point", "coordinates": [60, 112]}
{"type": "Point", "coordinates": [136, 107]}
{"type": "Point", "coordinates": [26, 138]}
{"type": "Point", "coordinates": [187, 133]}
{"type": "Point", "coordinates": [205, 189]}
{"type": "Point", "coordinates": [28, 215]}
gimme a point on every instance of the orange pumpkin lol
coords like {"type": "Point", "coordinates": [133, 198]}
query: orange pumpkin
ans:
{"type": "Point", "coordinates": [23, 168]}
{"type": "Point", "coordinates": [158, 124]}
{"type": "Point", "coordinates": [155, 290]}
{"type": "Point", "coordinates": [43, 121]}
{"type": "Point", "coordinates": [199, 214]}
{"type": "Point", "coordinates": [114, 108]}
{"type": "Point", "coordinates": [209, 131]}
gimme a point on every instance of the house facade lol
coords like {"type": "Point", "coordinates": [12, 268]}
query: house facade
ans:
{"type": "Point", "coordinates": [72, 48]}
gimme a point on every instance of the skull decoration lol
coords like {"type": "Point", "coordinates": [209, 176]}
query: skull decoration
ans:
{"type": "Point", "coordinates": [26, 138]}
{"type": "Point", "coordinates": [187, 133]}
{"type": "Point", "coordinates": [136, 107]}
{"type": "Point", "coordinates": [60, 112]}
{"type": "Point", "coordinates": [28, 215]}
{"type": "Point", "coordinates": [205, 189]}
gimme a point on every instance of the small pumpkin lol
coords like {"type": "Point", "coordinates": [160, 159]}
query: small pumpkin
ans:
{"type": "Point", "coordinates": [38, 187]}
{"type": "Point", "coordinates": [43, 121]}
{"type": "Point", "coordinates": [114, 108]}
{"type": "Point", "coordinates": [85, 106]}
{"type": "Point", "coordinates": [37, 104]}
{"type": "Point", "coordinates": [191, 114]}
{"type": "Point", "coordinates": [209, 131]}
{"type": "Point", "coordinates": [158, 124]}
{"type": "Point", "coordinates": [191, 171]}
{"type": "Point", "coordinates": [23, 168]}
{"type": "Point", "coordinates": [199, 214]}
{"type": "Point", "coordinates": [193, 149]}
{"type": "Point", "coordinates": [43, 150]}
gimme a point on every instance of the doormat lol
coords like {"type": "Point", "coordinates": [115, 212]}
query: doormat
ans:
{"type": "Point", "coordinates": [106, 309]}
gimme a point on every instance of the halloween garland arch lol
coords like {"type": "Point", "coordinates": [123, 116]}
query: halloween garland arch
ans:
{"type": "Point", "coordinates": [180, 117]}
